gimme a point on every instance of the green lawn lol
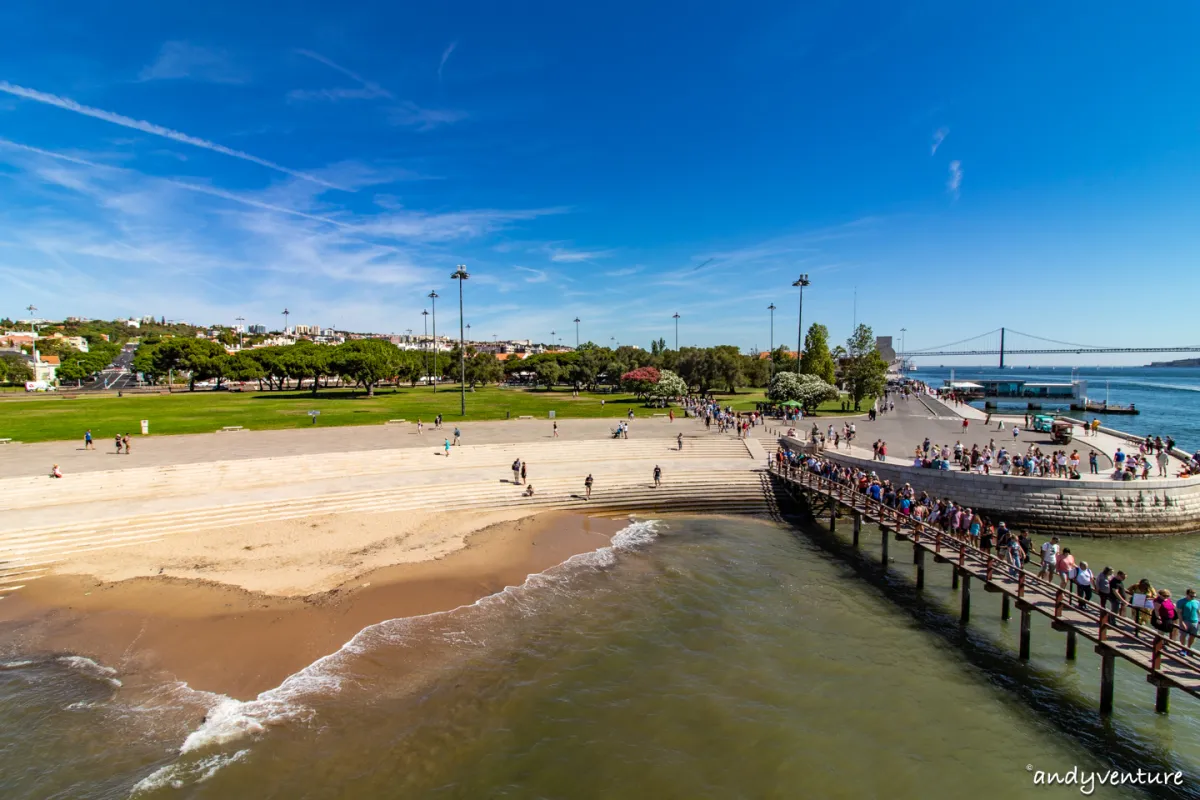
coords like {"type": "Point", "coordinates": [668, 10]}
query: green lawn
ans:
{"type": "Point", "coordinates": [49, 417]}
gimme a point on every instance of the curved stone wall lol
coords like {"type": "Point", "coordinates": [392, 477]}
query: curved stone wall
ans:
{"type": "Point", "coordinates": [1045, 505]}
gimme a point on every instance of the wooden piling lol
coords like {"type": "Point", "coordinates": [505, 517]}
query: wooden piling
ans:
{"type": "Point", "coordinates": [954, 577]}
{"type": "Point", "coordinates": [857, 526]}
{"type": "Point", "coordinates": [1005, 607]}
{"type": "Point", "coordinates": [1070, 644]}
{"type": "Point", "coordinates": [965, 616]}
{"type": "Point", "coordinates": [1107, 678]}
{"type": "Point", "coordinates": [1026, 629]}
{"type": "Point", "coordinates": [1162, 699]}
{"type": "Point", "coordinates": [884, 558]}
{"type": "Point", "coordinates": [919, 558]}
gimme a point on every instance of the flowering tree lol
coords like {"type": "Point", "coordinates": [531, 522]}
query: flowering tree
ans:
{"type": "Point", "coordinates": [640, 381]}
{"type": "Point", "coordinates": [807, 390]}
{"type": "Point", "coordinates": [669, 385]}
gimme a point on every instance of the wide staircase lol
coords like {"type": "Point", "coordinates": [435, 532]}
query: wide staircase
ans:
{"type": "Point", "coordinates": [714, 476]}
{"type": "Point", "coordinates": [184, 479]}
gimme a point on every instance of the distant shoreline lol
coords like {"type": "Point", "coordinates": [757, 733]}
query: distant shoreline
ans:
{"type": "Point", "coordinates": [1179, 362]}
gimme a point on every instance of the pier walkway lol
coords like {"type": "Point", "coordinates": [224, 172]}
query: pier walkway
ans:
{"type": "Point", "coordinates": [1113, 636]}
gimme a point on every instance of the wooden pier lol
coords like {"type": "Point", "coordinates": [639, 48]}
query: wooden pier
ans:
{"type": "Point", "coordinates": [1112, 635]}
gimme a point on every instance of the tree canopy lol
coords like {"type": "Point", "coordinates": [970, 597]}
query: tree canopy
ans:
{"type": "Point", "coordinates": [866, 371]}
{"type": "Point", "coordinates": [816, 359]}
{"type": "Point", "coordinates": [807, 390]}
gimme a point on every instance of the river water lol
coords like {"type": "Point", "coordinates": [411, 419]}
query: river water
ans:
{"type": "Point", "coordinates": [1168, 397]}
{"type": "Point", "coordinates": [698, 658]}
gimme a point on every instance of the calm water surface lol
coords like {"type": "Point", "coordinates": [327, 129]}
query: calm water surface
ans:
{"type": "Point", "coordinates": [703, 658]}
{"type": "Point", "coordinates": [1169, 397]}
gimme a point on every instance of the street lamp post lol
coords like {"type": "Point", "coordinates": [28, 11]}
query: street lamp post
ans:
{"type": "Point", "coordinates": [241, 327]}
{"type": "Point", "coordinates": [802, 282]}
{"type": "Point", "coordinates": [433, 296]}
{"type": "Point", "coordinates": [460, 274]}
{"type": "Point", "coordinates": [577, 333]}
{"type": "Point", "coordinates": [771, 308]}
{"type": "Point", "coordinates": [425, 341]}
{"type": "Point", "coordinates": [285, 316]}
{"type": "Point", "coordinates": [79, 378]}
{"type": "Point", "coordinates": [552, 334]}
{"type": "Point", "coordinates": [32, 325]}
{"type": "Point", "coordinates": [676, 318]}
{"type": "Point", "coordinates": [902, 350]}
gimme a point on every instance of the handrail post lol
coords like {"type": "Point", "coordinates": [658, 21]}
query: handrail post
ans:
{"type": "Point", "coordinates": [1156, 659]}
{"type": "Point", "coordinates": [1021, 584]}
{"type": "Point", "coordinates": [1058, 603]}
{"type": "Point", "coordinates": [1103, 633]}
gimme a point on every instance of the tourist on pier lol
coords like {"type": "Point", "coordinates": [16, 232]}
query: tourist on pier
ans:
{"type": "Point", "coordinates": [1103, 583]}
{"type": "Point", "coordinates": [1016, 555]}
{"type": "Point", "coordinates": [657, 476]}
{"type": "Point", "coordinates": [1189, 619]}
{"type": "Point", "coordinates": [1094, 462]}
{"type": "Point", "coordinates": [1116, 590]}
{"type": "Point", "coordinates": [1065, 567]}
{"type": "Point", "coordinates": [1163, 615]}
{"type": "Point", "coordinates": [1143, 587]}
{"type": "Point", "coordinates": [1049, 559]}
{"type": "Point", "coordinates": [587, 487]}
{"type": "Point", "coordinates": [1164, 461]}
{"type": "Point", "coordinates": [516, 468]}
{"type": "Point", "coordinates": [1083, 582]}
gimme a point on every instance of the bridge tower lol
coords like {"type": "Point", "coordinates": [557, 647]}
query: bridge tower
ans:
{"type": "Point", "coordinates": [1002, 348]}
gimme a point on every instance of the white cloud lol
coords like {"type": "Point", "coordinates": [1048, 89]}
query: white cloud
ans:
{"type": "Point", "coordinates": [535, 275]}
{"type": "Point", "coordinates": [177, 60]}
{"type": "Point", "coordinates": [445, 57]}
{"type": "Point", "coordinates": [939, 136]}
{"type": "Point", "coordinates": [148, 127]}
{"type": "Point", "coordinates": [955, 180]}
{"type": "Point", "coordinates": [622, 273]}
{"type": "Point", "coordinates": [409, 114]}
{"type": "Point", "coordinates": [367, 89]}
{"type": "Point", "coordinates": [563, 256]}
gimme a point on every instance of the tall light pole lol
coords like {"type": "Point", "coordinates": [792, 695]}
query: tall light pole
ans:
{"type": "Point", "coordinates": [771, 308]}
{"type": "Point", "coordinates": [902, 350]}
{"type": "Point", "coordinates": [802, 282]}
{"type": "Point", "coordinates": [32, 327]}
{"type": "Point", "coordinates": [552, 333]}
{"type": "Point", "coordinates": [425, 341]}
{"type": "Point", "coordinates": [285, 316]}
{"type": "Point", "coordinates": [241, 328]}
{"type": "Point", "coordinates": [577, 333]}
{"type": "Point", "coordinates": [433, 296]}
{"type": "Point", "coordinates": [460, 274]}
{"type": "Point", "coordinates": [676, 318]}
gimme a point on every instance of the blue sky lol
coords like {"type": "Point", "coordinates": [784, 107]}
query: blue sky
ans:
{"type": "Point", "coordinates": [960, 167]}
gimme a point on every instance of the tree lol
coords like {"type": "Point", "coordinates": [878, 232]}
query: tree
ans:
{"type": "Point", "coordinates": [200, 358]}
{"type": "Point", "coordinates": [242, 367]}
{"type": "Point", "coordinates": [816, 359]}
{"type": "Point", "coordinates": [366, 362]}
{"type": "Point", "coordinates": [727, 365]}
{"type": "Point", "coordinates": [807, 390]}
{"type": "Point", "coordinates": [14, 369]}
{"type": "Point", "coordinates": [866, 371]}
{"type": "Point", "coordinates": [756, 371]}
{"type": "Point", "coordinates": [484, 368]}
{"type": "Point", "coordinates": [669, 385]}
{"type": "Point", "coordinates": [640, 381]}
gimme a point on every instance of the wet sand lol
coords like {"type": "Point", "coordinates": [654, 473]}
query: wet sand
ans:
{"type": "Point", "coordinates": [223, 638]}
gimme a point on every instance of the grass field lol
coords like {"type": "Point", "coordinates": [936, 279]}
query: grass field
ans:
{"type": "Point", "coordinates": [49, 417]}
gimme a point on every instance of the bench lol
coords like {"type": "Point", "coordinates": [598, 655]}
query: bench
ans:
{"type": "Point", "coordinates": [395, 421]}
{"type": "Point", "coordinates": [658, 415]}
{"type": "Point", "coordinates": [231, 429]}
{"type": "Point", "coordinates": [525, 416]}
{"type": "Point", "coordinates": [5, 441]}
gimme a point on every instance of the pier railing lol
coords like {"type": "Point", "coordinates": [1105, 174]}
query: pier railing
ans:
{"type": "Point", "coordinates": [1167, 663]}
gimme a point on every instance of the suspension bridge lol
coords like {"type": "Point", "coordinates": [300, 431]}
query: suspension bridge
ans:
{"type": "Point", "coordinates": [1042, 346]}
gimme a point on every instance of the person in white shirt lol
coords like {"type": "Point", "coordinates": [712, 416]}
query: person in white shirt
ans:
{"type": "Point", "coordinates": [1049, 558]}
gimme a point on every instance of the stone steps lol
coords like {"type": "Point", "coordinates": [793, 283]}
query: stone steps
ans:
{"type": "Point", "coordinates": [35, 492]}
{"type": "Point", "coordinates": [26, 555]}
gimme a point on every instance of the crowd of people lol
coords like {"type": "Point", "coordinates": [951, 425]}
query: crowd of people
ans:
{"type": "Point", "coordinates": [1178, 622]}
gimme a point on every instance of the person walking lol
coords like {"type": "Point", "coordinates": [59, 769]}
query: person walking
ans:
{"type": "Point", "coordinates": [117, 442]}
{"type": "Point", "coordinates": [523, 472]}
{"type": "Point", "coordinates": [447, 441]}
{"type": "Point", "coordinates": [671, 415]}
{"type": "Point", "coordinates": [125, 441]}
{"type": "Point", "coordinates": [1094, 462]}
{"type": "Point", "coordinates": [587, 487]}
{"type": "Point", "coordinates": [87, 440]}
{"type": "Point", "coordinates": [1164, 461]}
{"type": "Point", "coordinates": [1189, 620]}
{"type": "Point", "coordinates": [1116, 592]}
{"type": "Point", "coordinates": [420, 426]}
{"type": "Point", "coordinates": [555, 429]}
{"type": "Point", "coordinates": [657, 476]}
{"type": "Point", "coordinates": [457, 435]}
{"type": "Point", "coordinates": [1083, 582]}
{"type": "Point", "coordinates": [516, 468]}
{"type": "Point", "coordinates": [1104, 587]}
{"type": "Point", "coordinates": [679, 441]}
{"type": "Point", "coordinates": [1065, 567]}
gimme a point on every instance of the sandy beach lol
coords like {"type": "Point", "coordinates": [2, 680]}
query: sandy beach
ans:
{"type": "Point", "coordinates": [238, 610]}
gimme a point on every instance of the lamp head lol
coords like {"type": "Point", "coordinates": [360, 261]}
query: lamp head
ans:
{"type": "Point", "coordinates": [460, 273]}
{"type": "Point", "coordinates": [804, 281]}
